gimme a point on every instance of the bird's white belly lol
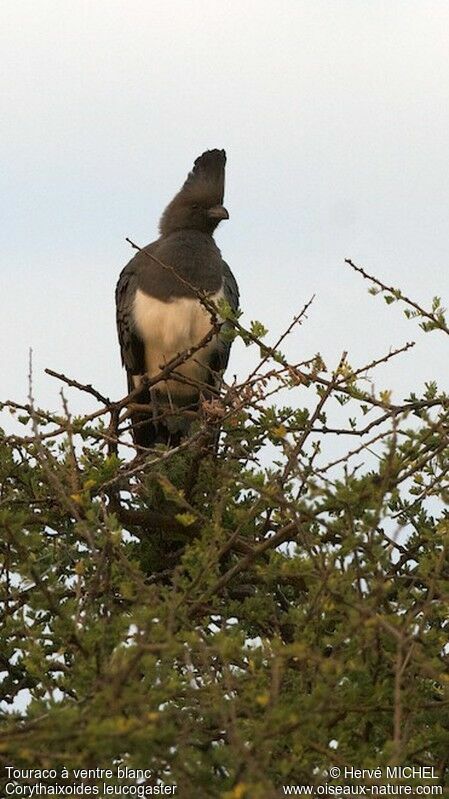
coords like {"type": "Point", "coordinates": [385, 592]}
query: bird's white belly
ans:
{"type": "Point", "coordinates": [168, 329]}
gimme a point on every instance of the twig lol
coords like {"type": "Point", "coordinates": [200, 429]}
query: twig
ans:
{"type": "Point", "coordinates": [439, 323]}
{"type": "Point", "coordinates": [87, 388]}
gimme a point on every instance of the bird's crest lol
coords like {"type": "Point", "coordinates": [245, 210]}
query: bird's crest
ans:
{"type": "Point", "coordinates": [204, 186]}
{"type": "Point", "coordinates": [207, 176]}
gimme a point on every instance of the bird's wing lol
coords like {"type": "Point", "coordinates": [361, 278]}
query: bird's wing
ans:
{"type": "Point", "coordinates": [131, 345]}
{"type": "Point", "coordinates": [231, 295]}
{"type": "Point", "coordinates": [231, 289]}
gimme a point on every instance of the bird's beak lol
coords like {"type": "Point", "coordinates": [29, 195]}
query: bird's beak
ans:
{"type": "Point", "coordinates": [218, 212]}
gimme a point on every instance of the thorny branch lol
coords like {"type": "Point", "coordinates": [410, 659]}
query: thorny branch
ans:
{"type": "Point", "coordinates": [435, 318]}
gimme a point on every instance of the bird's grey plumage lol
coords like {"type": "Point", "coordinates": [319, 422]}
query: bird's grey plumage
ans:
{"type": "Point", "coordinates": [159, 314]}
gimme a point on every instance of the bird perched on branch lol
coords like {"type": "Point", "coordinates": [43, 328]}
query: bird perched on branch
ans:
{"type": "Point", "coordinates": [165, 298]}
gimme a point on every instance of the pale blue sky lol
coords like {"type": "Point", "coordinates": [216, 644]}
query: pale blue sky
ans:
{"type": "Point", "coordinates": [335, 118]}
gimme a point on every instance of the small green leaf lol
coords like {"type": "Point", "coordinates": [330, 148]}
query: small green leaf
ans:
{"type": "Point", "coordinates": [186, 519]}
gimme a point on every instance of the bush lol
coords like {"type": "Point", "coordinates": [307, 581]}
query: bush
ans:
{"type": "Point", "coordinates": [235, 621]}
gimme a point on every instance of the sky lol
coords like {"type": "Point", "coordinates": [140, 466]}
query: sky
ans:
{"type": "Point", "coordinates": [335, 118]}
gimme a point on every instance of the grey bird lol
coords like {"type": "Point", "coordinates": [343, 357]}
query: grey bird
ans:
{"type": "Point", "coordinates": [159, 314]}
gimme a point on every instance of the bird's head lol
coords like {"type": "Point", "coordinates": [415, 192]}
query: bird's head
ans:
{"type": "Point", "coordinates": [199, 204]}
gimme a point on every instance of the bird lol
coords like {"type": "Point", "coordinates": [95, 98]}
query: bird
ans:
{"type": "Point", "coordinates": [160, 313]}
